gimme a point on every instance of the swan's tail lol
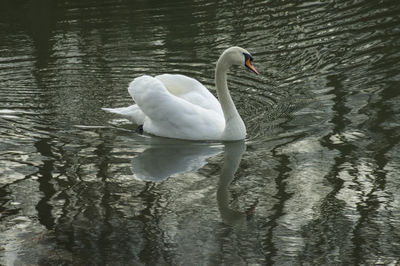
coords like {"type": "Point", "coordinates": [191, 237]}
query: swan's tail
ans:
{"type": "Point", "coordinates": [133, 113]}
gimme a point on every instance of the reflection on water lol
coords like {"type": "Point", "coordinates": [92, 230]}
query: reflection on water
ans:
{"type": "Point", "coordinates": [232, 156]}
{"type": "Point", "coordinates": [167, 157]}
{"type": "Point", "coordinates": [316, 182]}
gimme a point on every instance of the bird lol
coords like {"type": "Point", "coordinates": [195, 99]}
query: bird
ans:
{"type": "Point", "coordinates": [177, 106]}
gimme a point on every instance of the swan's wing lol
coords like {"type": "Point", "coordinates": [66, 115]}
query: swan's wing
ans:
{"type": "Point", "coordinates": [133, 113]}
{"type": "Point", "coordinates": [156, 101]}
{"type": "Point", "coordinates": [172, 116]}
{"type": "Point", "coordinates": [190, 90]}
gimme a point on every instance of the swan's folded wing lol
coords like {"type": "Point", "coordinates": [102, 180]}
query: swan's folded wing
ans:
{"type": "Point", "coordinates": [190, 90]}
{"type": "Point", "coordinates": [155, 101]}
{"type": "Point", "coordinates": [172, 116]}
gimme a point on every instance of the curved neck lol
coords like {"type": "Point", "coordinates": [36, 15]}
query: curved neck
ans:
{"type": "Point", "coordinates": [234, 126]}
{"type": "Point", "coordinates": [224, 97]}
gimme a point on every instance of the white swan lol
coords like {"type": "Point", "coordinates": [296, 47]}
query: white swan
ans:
{"type": "Point", "coordinates": [180, 107]}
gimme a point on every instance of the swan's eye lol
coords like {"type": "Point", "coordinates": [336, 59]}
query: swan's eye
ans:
{"type": "Point", "coordinates": [247, 57]}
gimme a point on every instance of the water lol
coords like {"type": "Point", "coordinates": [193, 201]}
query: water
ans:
{"type": "Point", "coordinates": [315, 183]}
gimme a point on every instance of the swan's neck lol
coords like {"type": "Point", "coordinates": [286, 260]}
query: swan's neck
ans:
{"type": "Point", "coordinates": [234, 126]}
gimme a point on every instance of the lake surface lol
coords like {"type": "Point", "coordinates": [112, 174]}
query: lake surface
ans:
{"type": "Point", "coordinates": [316, 182]}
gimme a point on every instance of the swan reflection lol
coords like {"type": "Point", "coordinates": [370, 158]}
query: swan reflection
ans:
{"type": "Point", "coordinates": [165, 158]}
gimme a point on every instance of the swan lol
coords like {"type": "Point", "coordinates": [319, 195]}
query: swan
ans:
{"type": "Point", "coordinates": [180, 107]}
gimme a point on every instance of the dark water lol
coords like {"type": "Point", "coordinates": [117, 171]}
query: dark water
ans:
{"type": "Point", "coordinates": [316, 182]}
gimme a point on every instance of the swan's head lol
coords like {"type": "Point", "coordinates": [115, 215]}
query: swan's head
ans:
{"type": "Point", "coordinates": [238, 56]}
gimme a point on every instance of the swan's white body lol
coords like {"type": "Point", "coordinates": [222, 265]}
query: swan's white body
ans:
{"type": "Point", "coordinates": [177, 106]}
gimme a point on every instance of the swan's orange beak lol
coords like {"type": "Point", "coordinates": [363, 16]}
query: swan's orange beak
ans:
{"type": "Point", "coordinates": [250, 66]}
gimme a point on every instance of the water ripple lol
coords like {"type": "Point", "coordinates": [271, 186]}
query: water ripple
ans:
{"type": "Point", "coordinates": [317, 182]}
